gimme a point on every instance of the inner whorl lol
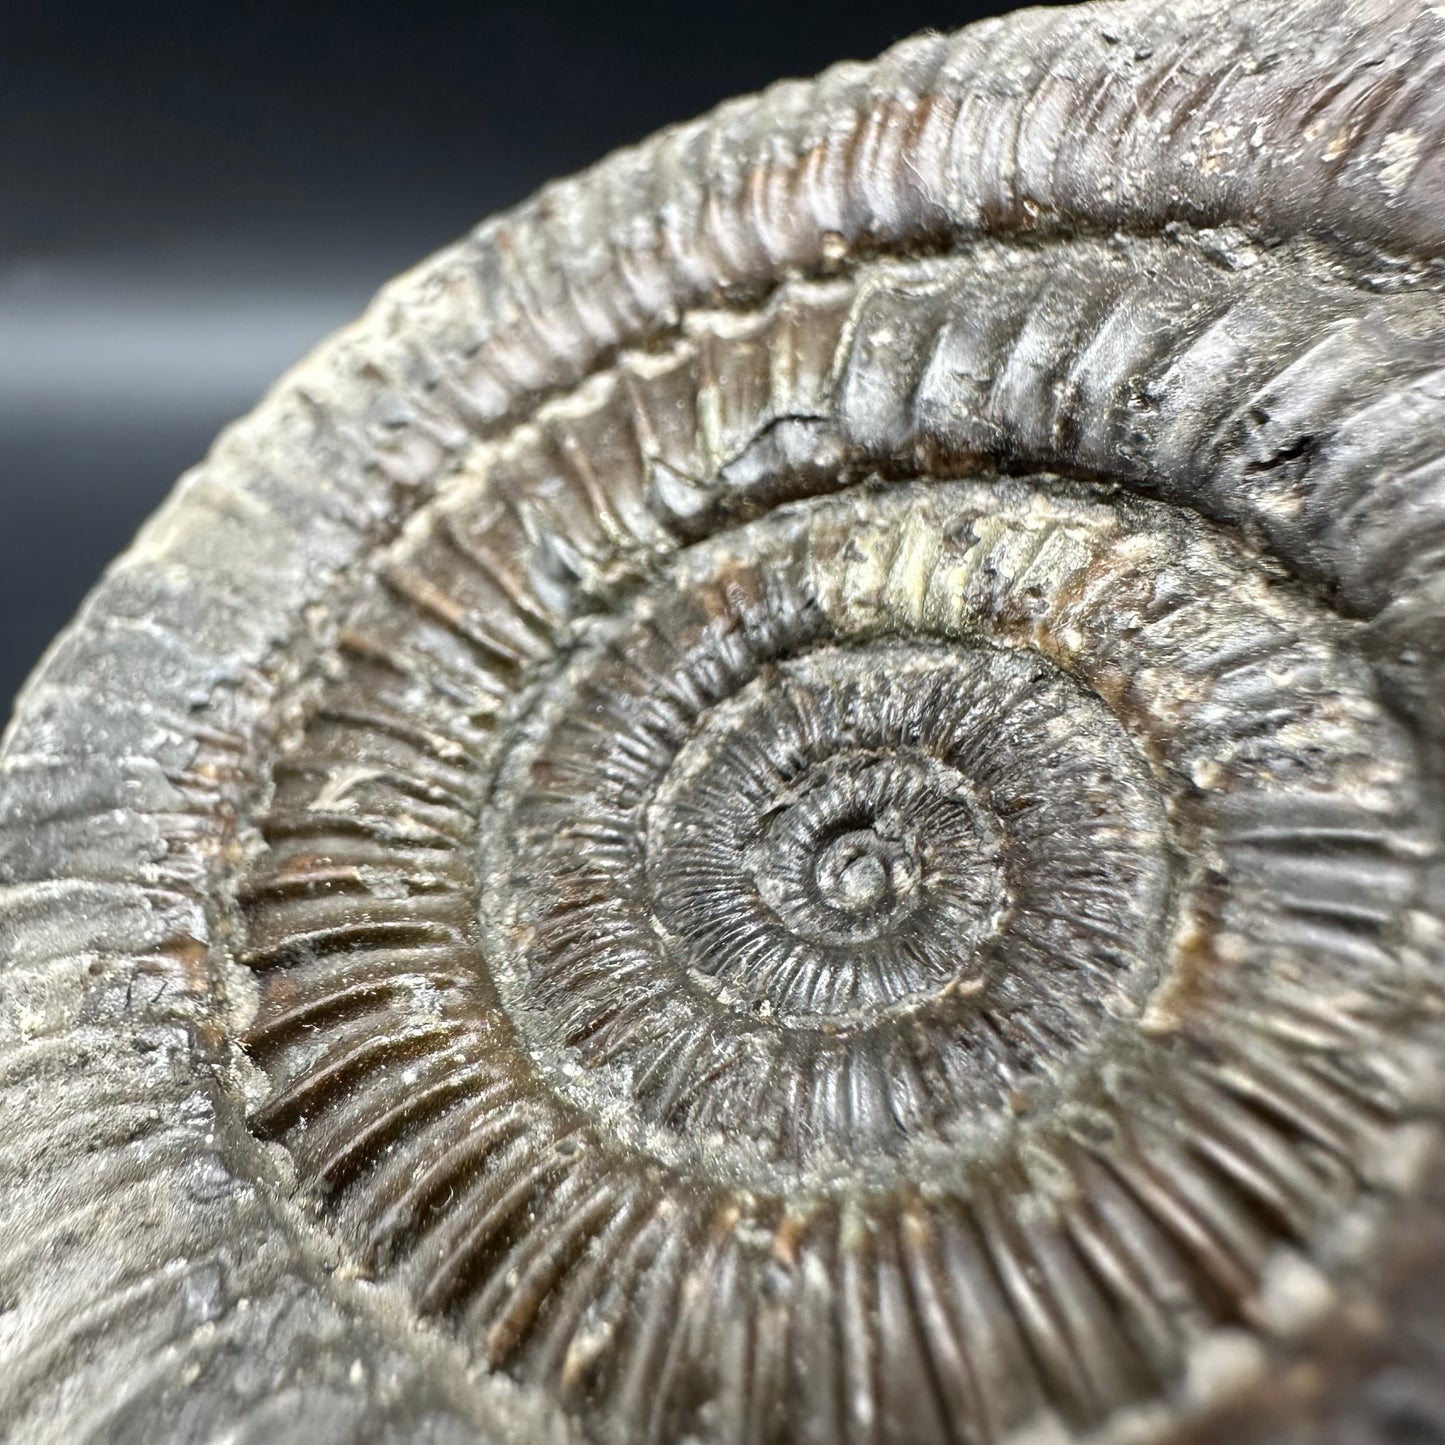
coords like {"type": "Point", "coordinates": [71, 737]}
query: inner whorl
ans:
{"type": "Point", "coordinates": [794, 796]}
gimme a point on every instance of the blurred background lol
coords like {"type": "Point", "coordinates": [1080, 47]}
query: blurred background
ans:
{"type": "Point", "coordinates": [193, 193]}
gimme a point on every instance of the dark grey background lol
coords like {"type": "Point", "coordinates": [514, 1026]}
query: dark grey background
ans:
{"type": "Point", "coordinates": [192, 193]}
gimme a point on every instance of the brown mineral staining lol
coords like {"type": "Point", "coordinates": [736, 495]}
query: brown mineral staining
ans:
{"type": "Point", "coordinates": [847, 849]}
{"type": "Point", "coordinates": [685, 983]}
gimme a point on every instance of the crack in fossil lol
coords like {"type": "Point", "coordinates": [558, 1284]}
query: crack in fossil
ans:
{"type": "Point", "coordinates": [809, 770]}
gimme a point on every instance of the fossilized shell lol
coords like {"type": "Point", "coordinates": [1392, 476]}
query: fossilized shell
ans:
{"type": "Point", "coordinates": [794, 797]}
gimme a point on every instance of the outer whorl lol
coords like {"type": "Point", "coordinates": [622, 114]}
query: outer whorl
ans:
{"type": "Point", "coordinates": [794, 797]}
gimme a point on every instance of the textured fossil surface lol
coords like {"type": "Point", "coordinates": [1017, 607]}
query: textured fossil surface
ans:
{"type": "Point", "coordinates": [796, 796]}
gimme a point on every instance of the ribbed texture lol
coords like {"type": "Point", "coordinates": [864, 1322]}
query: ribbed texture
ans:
{"type": "Point", "coordinates": [908, 221]}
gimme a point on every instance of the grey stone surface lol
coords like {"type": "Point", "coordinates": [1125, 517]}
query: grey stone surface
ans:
{"type": "Point", "coordinates": [1052, 417]}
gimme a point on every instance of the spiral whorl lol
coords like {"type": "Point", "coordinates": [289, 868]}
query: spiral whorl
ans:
{"type": "Point", "coordinates": [795, 797]}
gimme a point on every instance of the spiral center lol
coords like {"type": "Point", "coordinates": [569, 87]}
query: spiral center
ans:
{"type": "Point", "coordinates": [863, 848]}
{"type": "Point", "coordinates": [757, 872]}
{"type": "Point", "coordinates": [863, 873]}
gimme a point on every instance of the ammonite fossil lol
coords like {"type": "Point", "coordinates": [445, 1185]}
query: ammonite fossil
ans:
{"type": "Point", "coordinates": [796, 796]}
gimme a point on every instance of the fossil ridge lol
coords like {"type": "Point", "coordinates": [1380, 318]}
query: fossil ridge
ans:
{"type": "Point", "coordinates": [795, 796]}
